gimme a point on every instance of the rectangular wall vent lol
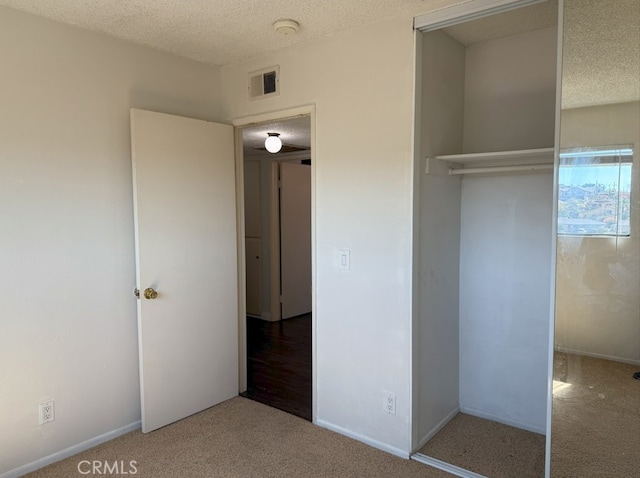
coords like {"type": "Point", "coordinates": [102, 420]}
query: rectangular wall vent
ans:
{"type": "Point", "coordinates": [264, 83]}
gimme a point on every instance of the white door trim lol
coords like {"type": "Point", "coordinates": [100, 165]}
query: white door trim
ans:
{"type": "Point", "coordinates": [241, 251]}
{"type": "Point", "coordinates": [554, 240]}
{"type": "Point", "coordinates": [238, 123]}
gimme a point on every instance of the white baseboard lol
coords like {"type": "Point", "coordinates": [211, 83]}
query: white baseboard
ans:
{"type": "Point", "coordinates": [361, 438]}
{"type": "Point", "coordinates": [504, 420]}
{"type": "Point", "coordinates": [67, 452]}
{"type": "Point", "coordinates": [600, 356]}
{"type": "Point", "coordinates": [437, 428]}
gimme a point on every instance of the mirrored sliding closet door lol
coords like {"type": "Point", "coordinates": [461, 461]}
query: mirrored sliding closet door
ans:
{"type": "Point", "coordinates": [595, 428]}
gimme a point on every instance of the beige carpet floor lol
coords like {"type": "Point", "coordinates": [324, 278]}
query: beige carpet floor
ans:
{"type": "Point", "coordinates": [595, 433]}
{"type": "Point", "coordinates": [242, 438]}
{"type": "Point", "coordinates": [488, 448]}
{"type": "Point", "coordinates": [595, 430]}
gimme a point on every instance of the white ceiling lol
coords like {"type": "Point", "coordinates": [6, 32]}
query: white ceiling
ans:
{"type": "Point", "coordinates": [228, 31]}
{"type": "Point", "coordinates": [293, 132]}
{"type": "Point", "coordinates": [513, 22]}
{"type": "Point", "coordinates": [601, 50]}
{"type": "Point", "coordinates": [219, 31]}
{"type": "Point", "coordinates": [601, 56]}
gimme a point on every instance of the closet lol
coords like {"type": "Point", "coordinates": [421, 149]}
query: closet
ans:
{"type": "Point", "coordinates": [486, 103]}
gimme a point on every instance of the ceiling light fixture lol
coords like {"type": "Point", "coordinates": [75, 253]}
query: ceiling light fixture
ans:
{"type": "Point", "coordinates": [286, 27]}
{"type": "Point", "coordinates": [273, 143]}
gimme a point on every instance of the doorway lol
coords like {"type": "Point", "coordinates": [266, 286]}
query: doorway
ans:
{"type": "Point", "coordinates": [278, 269]}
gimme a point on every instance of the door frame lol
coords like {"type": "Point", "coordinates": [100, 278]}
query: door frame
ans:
{"type": "Point", "coordinates": [238, 124]}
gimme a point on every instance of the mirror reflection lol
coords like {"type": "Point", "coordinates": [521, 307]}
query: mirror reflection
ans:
{"type": "Point", "coordinates": [596, 400]}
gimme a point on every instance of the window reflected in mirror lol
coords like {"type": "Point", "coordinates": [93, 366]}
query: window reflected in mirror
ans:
{"type": "Point", "coordinates": [594, 191]}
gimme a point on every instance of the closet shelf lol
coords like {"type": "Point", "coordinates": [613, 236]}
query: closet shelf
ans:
{"type": "Point", "coordinates": [502, 158]}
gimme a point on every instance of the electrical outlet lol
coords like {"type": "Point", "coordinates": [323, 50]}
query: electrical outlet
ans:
{"type": "Point", "coordinates": [389, 403]}
{"type": "Point", "coordinates": [47, 412]}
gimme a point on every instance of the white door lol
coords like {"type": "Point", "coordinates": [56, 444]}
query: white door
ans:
{"type": "Point", "coordinates": [185, 222]}
{"type": "Point", "coordinates": [295, 238]}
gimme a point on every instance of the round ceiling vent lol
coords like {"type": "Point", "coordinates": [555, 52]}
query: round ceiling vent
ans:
{"type": "Point", "coordinates": [286, 27]}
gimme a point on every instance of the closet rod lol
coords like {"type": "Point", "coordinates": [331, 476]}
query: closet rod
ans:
{"type": "Point", "coordinates": [500, 169]}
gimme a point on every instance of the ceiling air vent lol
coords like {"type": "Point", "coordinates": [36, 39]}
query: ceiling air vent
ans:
{"type": "Point", "coordinates": [264, 83]}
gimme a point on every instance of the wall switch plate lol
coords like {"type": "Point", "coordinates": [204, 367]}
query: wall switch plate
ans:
{"type": "Point", "coordinates": [344, 260]}
{"type": "Point", "coordinates": [389, 403]}
{"type": "Point", "coordinates": [47, 412]}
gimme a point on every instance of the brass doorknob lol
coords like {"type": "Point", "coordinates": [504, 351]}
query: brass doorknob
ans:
{"type": "Point", "coordinates": [149, 293]}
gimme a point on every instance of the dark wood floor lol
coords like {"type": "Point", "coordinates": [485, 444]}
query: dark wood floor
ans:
{"type": "Point", "coordinates": [279, 364]}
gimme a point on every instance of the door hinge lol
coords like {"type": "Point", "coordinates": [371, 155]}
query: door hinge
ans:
{"type": "Point", "coordinates": [281, 299]}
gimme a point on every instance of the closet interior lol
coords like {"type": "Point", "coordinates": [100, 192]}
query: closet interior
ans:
{"type": "Point", "coordinates": [484, 214]}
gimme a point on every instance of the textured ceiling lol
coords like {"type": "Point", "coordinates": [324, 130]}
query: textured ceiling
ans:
{"type": "Point", "coordinates": [601, 55]}
{"type": "Point", "coordinates": [601, 51]}
{"type": "Point", "coordinates": [219, 31]}
{"type": "Point", "coordinates": [293, 132]}
{"type": "Point", "coordinates": [513, 22]}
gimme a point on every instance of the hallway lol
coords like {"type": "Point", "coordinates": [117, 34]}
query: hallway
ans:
{"type": "Point", "coordinates": [279, 364]}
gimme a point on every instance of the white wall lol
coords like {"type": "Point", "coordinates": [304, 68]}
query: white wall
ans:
{"type": "Point", "coordinates": [442, 101]}
{"type": "Point", "coordinates": [505, 273]}
{"type": "Point", "coordinates": [67, 314]}
{"type": "Point", "coordinates": [510, 93]}
{"type": "Point", "coordinates": [505, 244]}
{"type": "Point", "coordinates": [443, 94]}
{"type": "Point", "coordinates": [598, 278]}
{"type": "Point", "coordinates": [361, 83]}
